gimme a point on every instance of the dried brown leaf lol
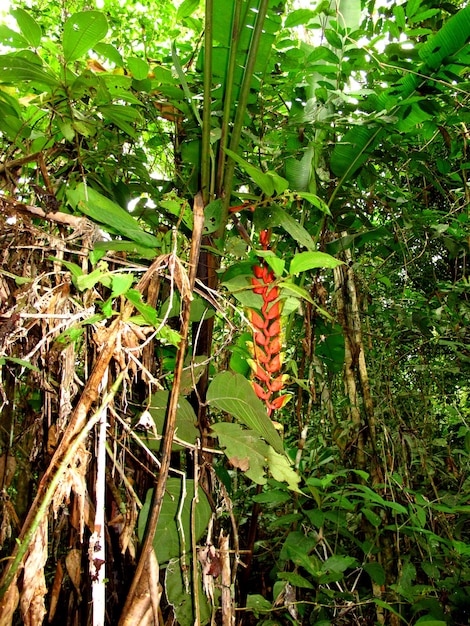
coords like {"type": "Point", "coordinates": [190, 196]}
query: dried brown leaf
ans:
{"type": "Point", "coordinates": [55, 592]}
{"type": "Point", "coordinates": [8, 605]}
{"type": "Point", "coordinates": [73, 563]}
{"type": "Point", "coordinates": [34, 588]}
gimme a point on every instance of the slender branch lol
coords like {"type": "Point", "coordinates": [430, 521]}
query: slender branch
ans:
{"type": "Point", "coordinates": [170, 424]}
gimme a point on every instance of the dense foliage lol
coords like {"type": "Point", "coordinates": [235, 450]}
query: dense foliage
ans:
{"type": "Point", "coordinates": [234, 312]}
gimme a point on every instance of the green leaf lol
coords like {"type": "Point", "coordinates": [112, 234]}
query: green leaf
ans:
{"type": "Point", "coordinates": [297, 548]}
{"type": "Point", "coordinates": [376, 572]}
{"type": "Point", "coordinates": [168, 541]}
{"type": "Point", "coordinates": [316, 201]}
{"type": "Point", "coordinates": [10, 38]}
{"type": "Point", "coordinates": [310, 260]}
{"type": "Point", "coordinates": [26, 364]}
{"type": "Point", "coordinates": [187, 8]}
{"type": "Point", "coordinates": [138, 68]}
{"type": "Point", "coordinates": [297, 290]}
{"type": "Point", "coordinates": [298, 17]}
{"type": "Point", "coordinates": [273, 215]}
{"type": "Point", "coordinates": [179, 598]}
{"type": "Point", "coordinates": [353, 150]}
{"type": "Point", "coordinates": [185, 420]}
{"type": "Point", "coordinates": [122, 116]}
{"type": "Point", "coordinates": [212, 216]}
{"type": "Point", "coordinates": [282, 470]}
{"type": "Point", "coordinates": [82, 31]}
{"type": "Point", "coordinates": [257, 604]}
{"type": "Point", "coordinates": [338, 563]}
{"type": "Point", "coordinates": [235, 395]}
{"type": "Point", "coordinates": [244, 449]}
{"type": "Point", "coordinates": [450, 39]}
{"type": "Point", "coordinates": [120, 283]}
{"type": "Point", "coordinates": [29, 27]}
{"type": "Point", "coordinates": [295, 579]}
{"type": "Point", "coordinates": [144, 309]}
{"type": "Point", "coordinates": [105, 211]}
{"type": "Point", "coordinates": [263, 180]}
{"type": "Point", "coordinates": [17, 69]}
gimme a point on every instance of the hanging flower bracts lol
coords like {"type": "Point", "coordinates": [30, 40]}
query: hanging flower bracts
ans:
{"type": "Point", "coordinates": [266, 347]}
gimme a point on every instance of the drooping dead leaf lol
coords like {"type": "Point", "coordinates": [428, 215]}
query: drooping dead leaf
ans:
{"type": "Point", "coordinates": [73, 563]}
{"type": "Point", "coordinates": [7, 470]}
{"type": "Point", "coordinates": [73, 481]}
{"type": "Point", "coordinates": [55, 592]}
{"type": "Point", "coordinates": [34, 588]}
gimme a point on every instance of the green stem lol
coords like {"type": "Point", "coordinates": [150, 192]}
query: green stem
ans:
{"type": "Point", "coordinates": [225, 131]}
{"type": "Point", "coordinates": [241, 110]}
{"type": "Point", "coordinates": [206, 114]}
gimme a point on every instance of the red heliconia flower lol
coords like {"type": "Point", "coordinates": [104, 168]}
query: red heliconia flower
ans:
{"type": "Point", "coordinates": [266, 349]}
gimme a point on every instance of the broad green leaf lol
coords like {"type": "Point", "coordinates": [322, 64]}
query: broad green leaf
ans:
{"type": "Point", "coordinates": [178, 596]}
{"type": "Point", "coordinates": [120, 283]}
{"type": "Point", "coordinates": [295, 579]}
{"type": "Point", "coordinates": [10, 38]}
{"type": "Point", "coordinates": [99, 275]}
{"type": "Point", "coordinates": [235, 395]}
{"type": "Point", "coordinates": [125, 246]}
{"type": "Point", "coordinates": [316, 201]}
{"type": "Point", "coordinates": [17, 69]}
{"type": "Point", "coordinates": [297, 548]}
{"type": "Point", "coordinates": [110, 52]}
{"type": "Point", "coordinates": [450, 39]}
{"type": "Point", "coordinates": [389, 607]}
{"type": "Point", "coordinates": [275, 263]}
{"type": "Point", "coordinates": [353, 150]}
{"type": "Point", "coordinates": [282, 470]}
{"type": "Point", "coordinates": [122, 116]}
{"type": "Point", "coordinates": [296, 290]}
{"type": "Point", "coordinates": [304, 261]}
{"type": "Point", "coordinates": [105, 211]}
{"type": "Point", "coordinates": [330, 344]}
{"type": "Point", "coordinates": [185, 420]}
{"type": "Point", "coordinates": [212, 216]}
{"type": "Point", "coordinates": [258, 604]}
{"type": "Point", "coordinates": [376, 572]}
{"type": "Point", "coordinates": [298, 17]}
{"type": "Point", "coordinates": [273, 215]}
{"type": "Point", "coordinates": [262, 179]}
{"type": "Point", "coordinates": [144, 309]}
{"type": "Point", "coordinates": [168, 542]}
{"type": "Point", "coordinates": [82, 31]}
{"type": "Point", "coordinates": [412, 7]}
{"type": "Point", "coordinates": [138, 68]}
{"type": "Point", "coordinates": [187, 8]}
{"type": "Point", "coordinates": [30, 29]}
{"type": "Point", "coordinates": [338, 563]}
{"type": "Point", "coordinates": [244, 449]}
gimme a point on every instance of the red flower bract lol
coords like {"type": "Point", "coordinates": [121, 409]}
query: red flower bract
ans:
{"type": "Point", "coordinates": [267, 346]}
